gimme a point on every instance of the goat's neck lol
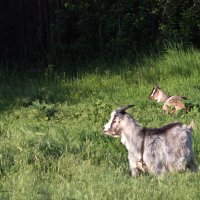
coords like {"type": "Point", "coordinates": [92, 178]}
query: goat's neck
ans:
{"type": "Point", "coordinates": [132, 138]}
{"type": "Point", "coordinates": [162, 97]}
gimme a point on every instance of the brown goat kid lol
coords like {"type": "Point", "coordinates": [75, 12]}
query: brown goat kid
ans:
{"type": "Point", "coordinates": [172, 104]}
{"type": "Point", "coordinates": [153, 150]}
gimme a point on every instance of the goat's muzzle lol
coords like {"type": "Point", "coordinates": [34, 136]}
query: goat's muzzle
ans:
{"type": "Point", "coordinates": [150, 97]}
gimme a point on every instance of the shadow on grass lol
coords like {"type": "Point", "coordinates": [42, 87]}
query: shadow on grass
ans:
{"type": "Point", "coordinates": [52, 86]}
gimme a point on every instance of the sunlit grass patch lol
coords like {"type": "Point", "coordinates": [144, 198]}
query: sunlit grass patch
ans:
{"type": "Point", "coordinates": [51, 141]}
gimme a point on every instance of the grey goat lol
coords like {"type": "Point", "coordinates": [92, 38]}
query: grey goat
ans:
{"type": "Point", "coordinates": [153, 150]}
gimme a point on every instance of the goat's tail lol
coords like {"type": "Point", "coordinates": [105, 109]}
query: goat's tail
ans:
{"type": "Point", "coordinates": [191, 125]}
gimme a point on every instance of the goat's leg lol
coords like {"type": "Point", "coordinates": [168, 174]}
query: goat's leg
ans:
{"type": "Point", "coordinates": [169, 109]}
{"type": "Point", "coordinates": [133, 165]}
{"type": "Point", "coordinates": [165, 108]}
{"type": "Point", "coordinates": [134, 171]}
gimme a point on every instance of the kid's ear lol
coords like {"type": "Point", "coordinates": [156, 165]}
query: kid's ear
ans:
{"type": "Point", "coordinates": [157, 86]}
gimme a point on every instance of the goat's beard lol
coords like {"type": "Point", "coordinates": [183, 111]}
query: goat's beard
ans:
{"type": "Point", "coordinates": [111, 134]}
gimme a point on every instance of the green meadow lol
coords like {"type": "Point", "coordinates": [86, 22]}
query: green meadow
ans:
{"type": "Point", "coordinates": [51, 141]}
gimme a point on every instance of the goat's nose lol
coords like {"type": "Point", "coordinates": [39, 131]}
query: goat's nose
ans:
{"type": "Point", "coordinates": [149, 97]}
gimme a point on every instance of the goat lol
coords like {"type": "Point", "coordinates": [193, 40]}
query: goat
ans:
{"type": "Point", "coordinates": [171, 103]}
{"type": "Point", "coordinates": [153, 150]}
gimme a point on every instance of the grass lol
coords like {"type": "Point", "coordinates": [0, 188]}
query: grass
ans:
{"type": "Point", "coordinates": [51, 140]}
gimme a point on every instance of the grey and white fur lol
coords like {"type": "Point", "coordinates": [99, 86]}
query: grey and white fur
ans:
{"type": "Point", "coordinates": [153, 150]}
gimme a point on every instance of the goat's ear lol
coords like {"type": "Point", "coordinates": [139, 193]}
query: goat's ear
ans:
{"type": "Point", "coordinates": [124, 108]}
{"type": "Point", "coordinates": [157, 86]}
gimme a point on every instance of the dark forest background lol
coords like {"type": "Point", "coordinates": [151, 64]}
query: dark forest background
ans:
{"type": "Point", "coordinates": [38, 33]}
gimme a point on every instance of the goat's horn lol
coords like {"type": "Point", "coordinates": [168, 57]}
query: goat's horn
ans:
{"type": "Point", "coordinates": [124, 108]}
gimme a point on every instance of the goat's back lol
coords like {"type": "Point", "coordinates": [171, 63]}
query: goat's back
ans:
{"type": "Point", "coordinates": [162, 130]}
{"type": "Point", "coordinates": [173, 134]}
{"type": "Point", "coordinates": [174, 101]}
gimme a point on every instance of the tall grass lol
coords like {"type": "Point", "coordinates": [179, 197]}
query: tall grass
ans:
{"type": "Point", "coordinates": [51, 140]}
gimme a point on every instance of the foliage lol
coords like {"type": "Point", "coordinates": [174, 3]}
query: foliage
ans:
{"type": "Point", "coordinates": [40, 33]}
